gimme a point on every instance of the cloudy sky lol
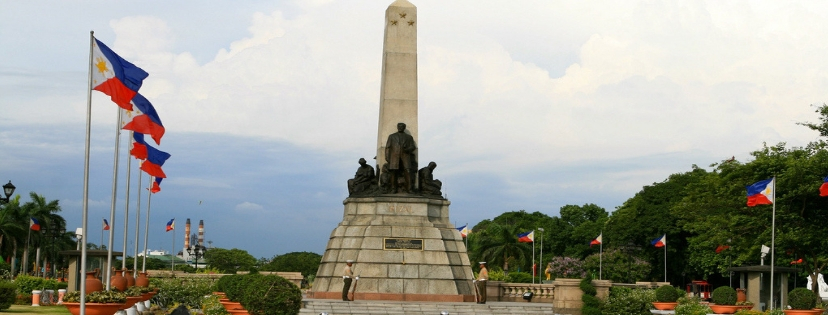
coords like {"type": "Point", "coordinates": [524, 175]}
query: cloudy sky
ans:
{"type": "Point", "coordinates": [530, 105]}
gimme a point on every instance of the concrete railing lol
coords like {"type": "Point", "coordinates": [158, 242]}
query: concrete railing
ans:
{"type": "Point", "coordinates": [295, 277]}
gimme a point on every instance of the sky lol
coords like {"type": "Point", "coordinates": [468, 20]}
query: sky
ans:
{"type": "Point", "coordinates": [268, 105]}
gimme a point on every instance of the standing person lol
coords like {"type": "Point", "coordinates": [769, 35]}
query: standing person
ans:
{"type": "Point", "coordinates": [482, 279]}
{"type": "Point", "coordinates": [347, 277]}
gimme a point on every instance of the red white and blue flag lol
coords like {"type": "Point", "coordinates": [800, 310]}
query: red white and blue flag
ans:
{"type": "Point", "coordinates": [823, 190]}
{"type": "Point", "coordinates": [105, 225]}
{"type": "Point", "coordinates": [156, 185]}
{"type": "Point", "coordinates": [143, 119]}
{"type": "Point", "coordinates": [598, 240]}
{"type": "Point", "coordinates": [760, 193]}
{"type": "Point", "coordinates": [464, 231]}
{"type": "Point", "coordinates": [660, 242]}
{"type": "Point", "coordinates": [139, 147]}
{"type": "Point", "coordinates": [527, 237]}
{"type": "Point", "coordinates": [115, 76]}
{"type": "Point", "coordinates": [34, 224]}
{"type": "Point", "coordinates": [171, 225]}
{"type": "Point", "coordinates": [155, 159]}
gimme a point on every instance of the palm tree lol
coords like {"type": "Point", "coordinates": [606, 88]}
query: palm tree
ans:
{"type": "Point", "coordinates": [10, 227]}
{"type": "Point", "coordinates": [46, 213]}
{"type": "Point", "coordinates": [500, 243]}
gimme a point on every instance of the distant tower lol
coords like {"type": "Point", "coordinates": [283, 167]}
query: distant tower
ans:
{"type": "Point", "coordinates": [187, 234]}
{"type": "Point", "coordinates": [201, 232]}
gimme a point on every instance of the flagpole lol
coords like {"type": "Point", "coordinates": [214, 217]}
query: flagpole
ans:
{"type": "Point", "coordinates": [137, 233]}
{"type": "Point", "coordinates": [146, 232]}
{"type": "Point", "coordinates": [601, 256]}
{"type": "Point", "coordinates": [773, 239]}
{"type": "Point", "coordinates": [533, 256]}
{"type": "Point", "coordinates": [665, 262]}
{"type": "Point", "coordinates": [172, 249]}
{"type": "Point", "coordinates": [115, 159]}
{"type": "Point", "coordinates": [126, 200]}
{"type": "Point", "coordinates": [85, 207]}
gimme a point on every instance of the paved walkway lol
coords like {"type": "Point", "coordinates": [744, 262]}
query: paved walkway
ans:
{"type": "Point", "coordinates": [336, 307]}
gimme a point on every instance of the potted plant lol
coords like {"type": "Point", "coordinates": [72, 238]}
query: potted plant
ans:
{"type": "Point", "coordinates": [724, 301]}
{"type": "Point", "coordinates": [666, 297]}
{"type": "Point", "coordinates": [97, 303]}
{"type": "Point", "coordinates": [802, 301]}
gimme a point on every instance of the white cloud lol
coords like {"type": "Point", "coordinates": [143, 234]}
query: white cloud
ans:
{"type": "Point", "coordinates": [248, 207]}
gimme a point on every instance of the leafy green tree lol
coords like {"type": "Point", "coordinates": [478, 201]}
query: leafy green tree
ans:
{"type": "Point", "coordinates": [305, 262]}
{"type": "Point", "coordinates": [229, 261]}
{"type": "Point", "coordinates": [498, 243]}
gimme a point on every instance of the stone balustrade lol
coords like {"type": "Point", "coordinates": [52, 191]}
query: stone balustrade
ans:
{"type": "Point", "coordinates": [513, 292]}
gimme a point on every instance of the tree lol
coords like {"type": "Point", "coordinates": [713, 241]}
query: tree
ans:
{"type": "Point", "coordinates": [305, 262]}
{"type": "Point", "coordinates": [499, 243]}
{"type": "Point", "coordinates": [229, 261]}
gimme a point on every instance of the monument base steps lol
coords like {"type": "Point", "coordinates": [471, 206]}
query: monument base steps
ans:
{"type": "Point", "coordinates": [334, 307]}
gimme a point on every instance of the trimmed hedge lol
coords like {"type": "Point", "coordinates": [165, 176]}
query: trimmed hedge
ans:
{"type": "Point", "coordinates": [8, 292]}
{"type": "Point", "coordinates": [270, 295]}
{"type": "Point", "coordinates": [724, 296]}
{"type": "Point", "coordinates": [802, 299]}
{"type": "Point", "coordinates": [666, 293]}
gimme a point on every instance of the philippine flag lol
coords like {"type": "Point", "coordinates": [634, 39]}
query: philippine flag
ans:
{"type": "Point", "coordinates": [527, 237]}
{"type": "Point", "coordinates": [34, 224]}
{"type": "Point", "coordinates": [156, 185]}
{"type": "Point", "coordinates": [171, 225]}
{"type": "Point", "coordinates": [598, 240]}
{"type": "Point", "coordinates": [143, 119]}
{"type": "Point", "coordinates": [760, 193]}
{"type": "Point", "coordinates": [660, 242]}
{"type": "Point", "coordinates": [115, 76]}
{"type": "Point", "coordinates": [462, 230]}
{"type": "Point", "coordinates": [105, 225]}
{"type": "Point", "coordinates": [823, 190]}
{"type": "Point", "coordinates": [155, 159]}
{"type": "Point", "coordinates": [139, 147]}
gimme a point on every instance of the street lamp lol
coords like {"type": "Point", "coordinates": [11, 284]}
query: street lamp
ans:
{"type": "Point", "coordinates": [197, 251]}
{"type": "Point", "coordinates": [8, 189]}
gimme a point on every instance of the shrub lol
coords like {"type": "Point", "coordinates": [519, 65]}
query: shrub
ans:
{"type": "Point", "coordinates": [271, 295]}
{"type": "Point", "coordinates": [519, 277]}
{"type": "Point", "coordinates": [234, 287]}
{"type": "Point", "coordinates": [624, 301]}
{"type": "Point", "coordinates": [23, 299]}
{"type": "Point", "coordinates": [666, 293]}
{"type": "Point", "coordinates": [802, 299]}
{"type": "Point", "coordinates": [724, 296]}
{"type": "Point", "coordinates": [8, 292]}
{"type": "Point", "coordinates": [592, 305]}
{"type": "Point", "coordinates": [691, 306]}
{"type": "Point", "coordinates": [567, 267]}
{"type": "Point", "coordinates": [749, 312]}
{"type": "Point", "coordinates": [211, 306]}
{"type": "Point", "coordinates": [184, 291]}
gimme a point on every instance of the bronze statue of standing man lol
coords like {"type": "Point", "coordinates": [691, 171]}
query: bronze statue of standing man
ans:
{"type": "Point", "coordinates": [398, 153]}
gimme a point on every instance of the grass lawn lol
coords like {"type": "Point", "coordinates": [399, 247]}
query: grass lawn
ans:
{"type": "Point", "coordinates": [42, 310]}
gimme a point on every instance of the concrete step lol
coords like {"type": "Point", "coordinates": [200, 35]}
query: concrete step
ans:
{"type": "Point", "coordinates": [336, 307]}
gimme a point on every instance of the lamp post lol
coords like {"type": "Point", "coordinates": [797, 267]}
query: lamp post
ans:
{"type": "Point", "coordinates": [197, 251]}
{"type": "Point", "coordinates": [540, 266]}
{"type": "Point", "coordinates": [79, 235]}
{"type": "Point", "coordinates": [8, 190]}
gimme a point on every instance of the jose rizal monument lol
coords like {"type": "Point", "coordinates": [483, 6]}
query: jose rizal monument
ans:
{"type": "Point", "coordinates": [395, 237]}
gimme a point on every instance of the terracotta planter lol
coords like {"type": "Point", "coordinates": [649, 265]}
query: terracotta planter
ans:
{"type": "Point", "coordinates": [117, 280]}
{"type": "Point", "coordinates": [740, 295]}
{"type": "Point", "coordinates": [665, 306]}
{"type": "Point", "coordinates": [94, 308]}
{"type": "Point", "coordinates": [725, 309]}
{"type": "Point", "coordinates": [142, 280]}
{"type": "Point", "coordinates": [232, 305]}
{"type": "Point", "coordinates": [129, 278]}
{"type": "Point", "coordinates": [803, 312]}
{"type": "Point", "coordinates": [93, 284]}
{"type": "Point", "coordinates": [131, 300]}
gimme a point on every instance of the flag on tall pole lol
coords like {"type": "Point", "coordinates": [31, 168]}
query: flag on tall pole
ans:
{"type": "Point", "coordinates": [143, 119]}
{"type": "Point", "coordinates": [34, 224]}
{"type": "Point", "coordinates": [599, 241]}
{"type": "Point", "coordinates": [823, 190]}
{"type": "Point", "coordinates": [760, 193]}
{"type": "Point", "coordinates": [171, 225]}
{"type": "Point", "coordinates": [114, 76]}
{"type": "Point", "coordinates": [155, 159]}
{"type": "Point", "coordinates": [528, 237]}
{"type": "Point", "coordinates": [105, 225]}
{"type": "Point", "coordinates": [464, 231]}
{"type": "Point", "coordinates": [662, 242]}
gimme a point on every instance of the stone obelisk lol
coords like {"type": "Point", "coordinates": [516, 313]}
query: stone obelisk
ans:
{"type": "Point", "coordinates": [403, 244]}
{"type": "Point", "coordinates": [398, 88]}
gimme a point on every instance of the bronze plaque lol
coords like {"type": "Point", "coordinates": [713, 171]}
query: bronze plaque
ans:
{"type": "Point", "coordinates": [403, 244]}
